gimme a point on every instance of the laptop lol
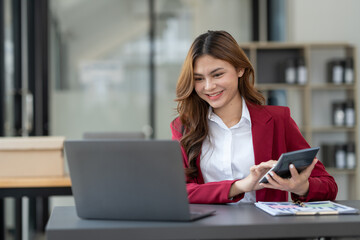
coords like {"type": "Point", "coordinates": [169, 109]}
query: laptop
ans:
{"type": "Point", "coordinates": [114, 135]}
{"type": "Point", "coordinates": [130, 180]}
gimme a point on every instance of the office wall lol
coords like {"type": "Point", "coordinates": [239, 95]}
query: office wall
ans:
{"type": "Point", "coordinates": [324, 20]}
{"type": "Point", "coordinates": [327, 21]}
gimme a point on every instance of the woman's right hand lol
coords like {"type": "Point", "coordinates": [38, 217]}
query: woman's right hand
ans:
{"type": "Point", "coordinates": [251, 182]}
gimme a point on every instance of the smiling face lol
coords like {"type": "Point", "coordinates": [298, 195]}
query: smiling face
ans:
{"type": "Point", "coordinates": [216, 82]}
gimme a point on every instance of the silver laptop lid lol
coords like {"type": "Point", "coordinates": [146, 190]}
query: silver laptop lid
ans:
{"type": "Point", "coordinates": [128, 179]}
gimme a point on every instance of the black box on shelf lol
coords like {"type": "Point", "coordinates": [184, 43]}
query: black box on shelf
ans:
{"type": "Point", "coordinates": [277, 97]}
{"type": "Point", "coordinates": [328, 155]}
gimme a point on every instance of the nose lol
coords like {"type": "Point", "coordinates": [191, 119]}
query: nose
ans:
{"type": "Point", "coordinates": [209, 84]}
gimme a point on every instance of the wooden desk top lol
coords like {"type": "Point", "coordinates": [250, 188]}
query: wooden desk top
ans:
{"type": "Point", "coordinates": [29, 182]}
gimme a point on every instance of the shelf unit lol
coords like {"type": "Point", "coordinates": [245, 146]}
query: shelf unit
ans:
{"type": "Point", "coordinates": [311, 103]}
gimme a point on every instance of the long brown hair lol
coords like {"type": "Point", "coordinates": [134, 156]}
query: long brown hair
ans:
{"type": "Point", "coordinates": [191, 108]}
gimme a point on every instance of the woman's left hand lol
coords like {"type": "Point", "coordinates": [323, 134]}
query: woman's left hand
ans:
{"type": "Point", "coordinates": [298, 183]}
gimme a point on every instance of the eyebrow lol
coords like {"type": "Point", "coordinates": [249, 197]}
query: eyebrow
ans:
{"type": "Point", "coordinates": [213, 71]}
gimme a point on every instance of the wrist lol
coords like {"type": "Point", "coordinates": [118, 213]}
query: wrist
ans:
{"type": "Point", "coordinates": [237, 188]}
{"type": "Point", "coordinates": [244, 185]}
{"type": "Point", "coordinates": [303, 192]}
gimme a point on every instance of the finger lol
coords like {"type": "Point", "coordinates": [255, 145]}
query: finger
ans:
{"type": "Point", "coordinates": [253, 168]}
{"type": "Point", "coordinates": [293, 171]}
{"type": "Point", "coordinates": [307, 171]}
{"type": "Point", "coordinates": [272, 162]}
{"type": "Point", "coordinates": [256, 169]}
{"type": "Point", "coordinates": [267, 165]}
{"type": "Point", "coordinates": [266, 185]}
{"type": "Point", "coordinates": [271, 184]}
{"type": "Point", "coordinates": [264, 165]}
{"type": "Point", "coordinates": [258, 186]}
{"type": "Point", "coordinates": [274, 179]}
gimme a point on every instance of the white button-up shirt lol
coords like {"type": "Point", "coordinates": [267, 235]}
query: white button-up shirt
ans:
{"type": "Point", "coordinates": [228, 153]}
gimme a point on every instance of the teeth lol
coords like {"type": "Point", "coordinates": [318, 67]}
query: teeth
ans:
{"type": "Point", "coordinates": [213, 95]}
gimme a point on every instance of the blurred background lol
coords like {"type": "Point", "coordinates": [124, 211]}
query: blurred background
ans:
{"type": "Point", "coordinates": [69, 67]}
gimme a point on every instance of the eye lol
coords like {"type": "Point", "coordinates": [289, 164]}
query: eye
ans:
{"type": "Point", "coordinates": [217, 75]}
{"type": "Point", "coordinates": [198, 78]}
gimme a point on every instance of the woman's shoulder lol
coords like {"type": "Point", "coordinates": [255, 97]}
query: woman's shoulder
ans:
{"type": "Point", "coordinates": [176, 122]}
{"type": "Point", "coordinates": [271, 110]}
{"type": "Point", "coordinates": [278, 112]}
{"type": "Point", "coordinates": [177, 127]}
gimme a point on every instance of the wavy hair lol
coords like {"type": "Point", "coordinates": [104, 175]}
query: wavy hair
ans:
{"type": "Point", "coordinates": [191, 108]}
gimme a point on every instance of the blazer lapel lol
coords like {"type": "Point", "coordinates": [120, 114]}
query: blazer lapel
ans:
{"type": "Point", "coordinates": [262, 126]}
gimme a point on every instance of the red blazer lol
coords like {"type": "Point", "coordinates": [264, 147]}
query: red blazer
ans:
{"type": "Point", "coordinates": [274, 132]}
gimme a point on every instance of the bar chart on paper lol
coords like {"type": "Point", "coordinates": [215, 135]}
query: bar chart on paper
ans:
{"type": "Point", "coordinates": [309, 208]}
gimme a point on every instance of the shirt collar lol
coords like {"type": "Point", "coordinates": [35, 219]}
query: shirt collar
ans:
{"type": "Point", "coordinates": [245, 112]}
{"type": "Point", "coordinates": [244, 115]}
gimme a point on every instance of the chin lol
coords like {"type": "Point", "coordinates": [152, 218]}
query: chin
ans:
{"type": "Point", "coordinates": [216, 106]}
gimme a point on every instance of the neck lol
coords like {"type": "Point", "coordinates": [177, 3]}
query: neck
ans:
{"type": "Point", "coordinates": [231, 114]}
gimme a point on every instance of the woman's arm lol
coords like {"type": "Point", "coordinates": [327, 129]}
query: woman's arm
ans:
{"type": "Point", "coordinates": [198, 191]}
{"type": "Point", "coordinates": [212, 192]}
{"type": "Point", "coordinates": [322, 185]}
{"type": "Point", "coordinates": [223, 191]}
{"type": "Point", "coordinates": [230, 190]}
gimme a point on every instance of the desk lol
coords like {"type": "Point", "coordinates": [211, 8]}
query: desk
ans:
{"type": "Point", "coordinates": [29, 187]}
{"type": "Point", "coordinates": [229, 222]}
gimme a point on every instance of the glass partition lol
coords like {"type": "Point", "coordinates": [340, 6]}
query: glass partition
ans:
{"type": "Point", "coordinates": [99, 68]}
{"type": "Point", "coordinates": [100, 74]}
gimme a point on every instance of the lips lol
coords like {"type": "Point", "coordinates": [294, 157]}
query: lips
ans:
{"type": "Point", "coordinates": [214, 96]}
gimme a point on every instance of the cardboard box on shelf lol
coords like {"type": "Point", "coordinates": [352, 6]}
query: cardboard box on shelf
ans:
{"type": "Point", "coordinates": [31, 156]}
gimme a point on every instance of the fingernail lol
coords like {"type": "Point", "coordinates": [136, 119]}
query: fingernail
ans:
{"type": "Point", "coordinates": [291, 165]}
{"type": "Point", "coordinates": [271, 173]}
{"type": "Point", "coordinates": [267, 177]}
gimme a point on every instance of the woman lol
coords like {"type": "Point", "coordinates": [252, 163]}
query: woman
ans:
{"type": "Point", "coordinates": [229, 138]}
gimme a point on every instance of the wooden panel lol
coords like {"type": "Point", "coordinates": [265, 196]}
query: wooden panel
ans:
{"type": "Point", "coordinates": [35, 182]}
